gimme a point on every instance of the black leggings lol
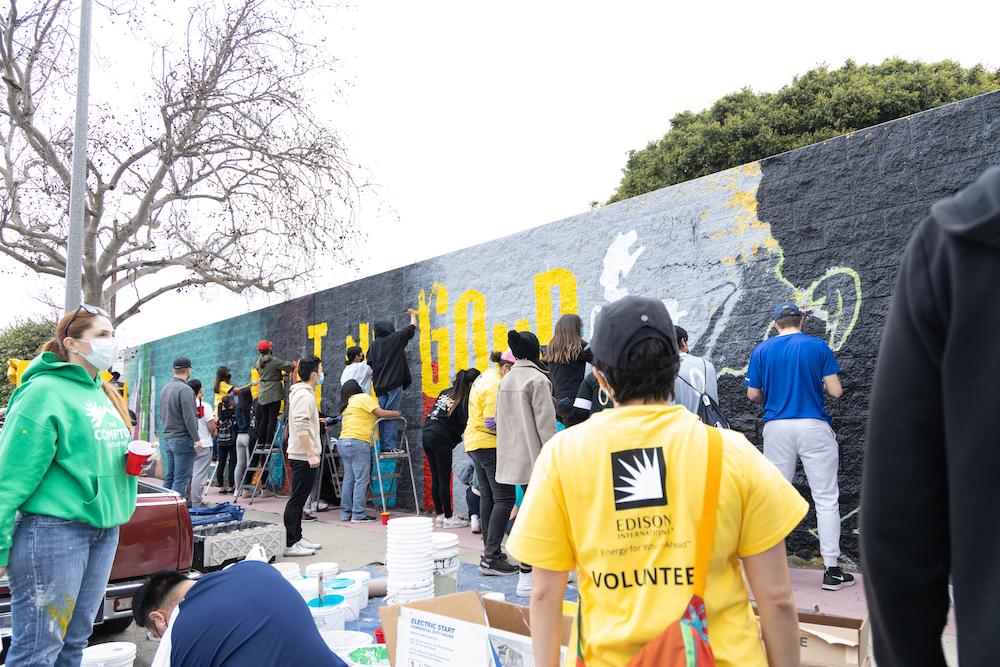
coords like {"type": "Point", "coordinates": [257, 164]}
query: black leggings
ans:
{"type": "Point", "coordinates": [303, 478]}
{"type": "Point", "coordinates": [267, 416]}
{"type": "Point", "coordinates": [439, 450]}
{"type": "Point", "coordinates": [227, 460]}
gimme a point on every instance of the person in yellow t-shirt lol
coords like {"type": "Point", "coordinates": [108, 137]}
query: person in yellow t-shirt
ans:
{"type": "Point", "coordinates": [619, 497]}
{"type": "Point", "coordinates": [359, 412]}
{"type": "Point", "coordinates": [496, 499]}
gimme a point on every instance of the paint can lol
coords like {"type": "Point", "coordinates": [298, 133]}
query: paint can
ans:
{"type": "Point", "coordinates": [344, 641]}
{"type": "Point", "coordinates": [365, 579]}
{"type": "Point", "coordinates": [112, 654]}
{"type": "Point", "coordinates": [332, 615]}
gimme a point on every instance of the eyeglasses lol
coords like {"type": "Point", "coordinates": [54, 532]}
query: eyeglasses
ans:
{"type": "Point", "coordinates": [93, 310]}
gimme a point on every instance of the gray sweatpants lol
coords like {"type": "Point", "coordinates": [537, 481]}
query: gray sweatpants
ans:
{"type": "Point", "coordinates": [813, 441]}
{"type": "Point", "coordinates": [199, 476]}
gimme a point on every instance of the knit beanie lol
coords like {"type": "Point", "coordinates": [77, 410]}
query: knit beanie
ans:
{"type": "Point", "coordinates": [524, 345]}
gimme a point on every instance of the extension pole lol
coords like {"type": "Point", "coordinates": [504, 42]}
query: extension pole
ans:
{"type": "Point", "coordinates": [78, 179]}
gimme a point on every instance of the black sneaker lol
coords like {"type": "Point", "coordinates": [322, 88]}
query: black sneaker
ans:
{"type": "Point", "coordinates": [363, 519]}
{"type": "Point", "coordinates": [498, 567]}
{"type": "Point", "coordinates": [307, 517]}
{"type": "Point", "coordinates": [834, 579]}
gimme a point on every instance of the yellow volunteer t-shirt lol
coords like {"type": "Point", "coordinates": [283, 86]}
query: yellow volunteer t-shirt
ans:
{"type": "Point", "coordinates": [482, 406]}
{"type": "Point", "coordinates": [620, 495]}
{"type": "Point", "coordinates": [359, 418]}
{"type": "Point", "coordinates": [224, 389]}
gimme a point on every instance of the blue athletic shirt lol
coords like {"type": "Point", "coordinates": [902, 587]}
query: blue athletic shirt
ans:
{"type": "Point", "coordinates": [246, 615]}
{"type": "Point", "coordinates": [789, 370]}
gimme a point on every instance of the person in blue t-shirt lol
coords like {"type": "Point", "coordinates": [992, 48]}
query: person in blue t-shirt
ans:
{"type": "Point", "coordinates": [788, 373]}
{"type": "Point", "coordinates": [247, 614]}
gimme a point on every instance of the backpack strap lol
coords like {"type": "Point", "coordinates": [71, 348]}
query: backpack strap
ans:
{"type": "Point", "coordinates": [705, 536]}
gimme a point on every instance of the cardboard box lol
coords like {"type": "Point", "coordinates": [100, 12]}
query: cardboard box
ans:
{"type": "Point", "coordinates": [469, 607]}
{"type": "Point", "coordinates": [832, 641]}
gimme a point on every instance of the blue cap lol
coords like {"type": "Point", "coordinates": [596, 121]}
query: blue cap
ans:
{"type": "Point", "coordinates": [786, 309]}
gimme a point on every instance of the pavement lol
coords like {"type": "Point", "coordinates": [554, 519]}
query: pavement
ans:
{"type": "Point", "coordinates": [354, 546]}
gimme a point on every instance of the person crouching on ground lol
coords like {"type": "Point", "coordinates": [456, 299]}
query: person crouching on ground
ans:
{"type": "Point", "coordinates": [247, 614]}
{"type": "Point", "coordinates": [303, 452]}
{"type": "Point", "coordinates": [359, 412]}
{"type": "Point", "coordinates": [619, 497]}
{"type": "Point", "coordinates": [64, 490]}
{"type": "Point", "coordinates": [443, 430]}
{"type": "Point", "coordinates": [496, 499]}
{"type": "Point", "coordinates": [526, 420]}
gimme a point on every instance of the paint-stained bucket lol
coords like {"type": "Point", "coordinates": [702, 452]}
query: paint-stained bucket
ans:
{"type": "Point", "coordinates": [331, 616]}
{"type": "Point", "coordinates": [365, 579]}
{"type": "Point", "coordinates": [344, 641]}
{"type": "Point", "coordinates": [112, 654]}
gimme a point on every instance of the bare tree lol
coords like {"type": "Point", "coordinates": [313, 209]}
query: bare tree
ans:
{"type": "Point", "coordinates": [221, 174]}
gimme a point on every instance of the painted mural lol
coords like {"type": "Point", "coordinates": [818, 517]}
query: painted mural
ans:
{"type": "Point", "coordinates": [824, 226]}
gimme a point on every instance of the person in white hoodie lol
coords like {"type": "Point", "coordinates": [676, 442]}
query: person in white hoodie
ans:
{"type": "Point", "coordinates": [303, 452]}
{"type": "Point", "coordinates": [357, 369]}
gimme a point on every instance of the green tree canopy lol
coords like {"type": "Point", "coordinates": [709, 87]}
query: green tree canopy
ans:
{"type": "Point", "coordinates": [21, 340]}
{"type": "Point", "coordinates": [745, 126]}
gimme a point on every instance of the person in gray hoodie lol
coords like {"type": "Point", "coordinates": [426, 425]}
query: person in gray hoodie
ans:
{"type": "Point", "coordinates": [526, 420]}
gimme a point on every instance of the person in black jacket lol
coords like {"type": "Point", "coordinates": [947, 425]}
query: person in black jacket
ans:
{"type": "Point", "coordinates": [566, 357]}
{"type": "Point", "coordinates": [391, 372]}
{"type": "Point", "coordinates": [929, 500]}
{"type": "Point", "coordinates": [443, 429]}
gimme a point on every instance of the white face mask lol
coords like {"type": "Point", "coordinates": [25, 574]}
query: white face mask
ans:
{"type": "Point", "coordinates": [104, 352]}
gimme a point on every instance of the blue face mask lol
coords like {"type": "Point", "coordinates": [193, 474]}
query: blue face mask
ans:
{"type": "Point", "coordinates": [320, 380]}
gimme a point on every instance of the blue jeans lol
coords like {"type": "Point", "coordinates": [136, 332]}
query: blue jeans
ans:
{"type": "Point", "coordinates": [178, 464]}
{"type": "Point", "coordinates": [357, 458]}
{"type": "Point", "coordinates": [389, 430]}
{"type": "Point", "coordinates": [58, 578]}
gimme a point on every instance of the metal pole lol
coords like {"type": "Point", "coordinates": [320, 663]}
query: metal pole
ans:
{"type": "Point", "coordinates": [78, 180]}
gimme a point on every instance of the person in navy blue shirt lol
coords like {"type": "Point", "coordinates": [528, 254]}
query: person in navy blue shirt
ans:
{"type": "Point", "coordinates": [788, 374]}
{"type": "Point", "coordinates": [247, 614]}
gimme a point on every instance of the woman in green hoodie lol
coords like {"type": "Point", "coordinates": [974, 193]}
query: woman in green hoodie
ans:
{"type": "Point", "coordinates": [64, 490]}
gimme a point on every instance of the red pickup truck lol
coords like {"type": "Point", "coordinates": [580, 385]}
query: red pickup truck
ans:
{"type": "Point", "coordinates": [158, 536]}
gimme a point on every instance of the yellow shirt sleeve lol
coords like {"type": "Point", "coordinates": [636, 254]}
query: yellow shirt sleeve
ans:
{"type": "Point", "coordinates": [490, 405]}
{"type": "Point", "coordinates": [541, 531]}
{"type": "Point", "coordinates": [367, 403]}
{"type": "Point", "coordinates": [772, 508]}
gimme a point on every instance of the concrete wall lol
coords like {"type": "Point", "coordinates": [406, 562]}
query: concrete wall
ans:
{"type": "Point", "coordinates": [824, 225]}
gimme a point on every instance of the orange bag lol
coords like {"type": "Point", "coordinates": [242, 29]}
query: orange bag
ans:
{"type": "Point", "coordinates": [685, 641]}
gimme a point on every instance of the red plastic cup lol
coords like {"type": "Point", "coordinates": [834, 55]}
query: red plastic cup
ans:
{"type": "Point", "coordinates": [379, 636]}
{"type": "Point", "coordinates": [138, 452]}
{"type": "Point", "coordinates": [385, 518]}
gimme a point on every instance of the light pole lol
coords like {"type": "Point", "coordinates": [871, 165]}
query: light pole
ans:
{"type": "Point", "coordinates": [78, 179]}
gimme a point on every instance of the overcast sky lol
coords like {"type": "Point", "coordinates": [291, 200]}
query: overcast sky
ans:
{"type": "Point", "coordinates": [477, 120]}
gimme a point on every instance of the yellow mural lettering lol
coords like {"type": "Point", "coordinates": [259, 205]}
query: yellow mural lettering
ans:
{"type": "Point", "coordinates": [500, 336]}
{"type": "Point", "coordinates": [479, 344]}
{"type": "Point", "coordinates": [316, 332]}
{"type": "Point", "coordinates": [364, 338]}
{"type": "Point", "coordinates": [433, 383]}
{"type": "Point", "coordinates": [521, 325]}
{"type": "Point", "coordinates": [544, 284]}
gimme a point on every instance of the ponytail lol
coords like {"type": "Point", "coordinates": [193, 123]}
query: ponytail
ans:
{"type": "Point", "coordinates": [119, 403]}
{"type": "Point", "coordinates": [495, 356]}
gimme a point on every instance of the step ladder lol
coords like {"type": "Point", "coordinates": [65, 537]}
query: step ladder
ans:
{"type": "Point", "coordinates": [329, 464]}
{"type": "Point", "coordinates": [402, 454]}
{"type": "Point", "coordinates": [256, 472]}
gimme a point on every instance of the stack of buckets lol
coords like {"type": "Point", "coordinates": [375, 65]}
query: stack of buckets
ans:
{"type": "Point", "coordinates": [409, 559]}
{"type": "Point", "coordinates": [446, 563]}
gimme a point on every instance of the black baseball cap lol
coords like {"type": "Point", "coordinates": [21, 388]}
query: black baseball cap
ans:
{"type": "Point", "coordinates": [630, 320]}
{"type": "Point", "coordinates": [181, 363]}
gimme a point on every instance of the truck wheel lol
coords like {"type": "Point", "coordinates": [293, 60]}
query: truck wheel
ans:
{"type": "Point", "coordinates": [113, 626]}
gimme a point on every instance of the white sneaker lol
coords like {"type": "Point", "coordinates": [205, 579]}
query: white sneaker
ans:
{"type": "Point", "coordinates": [322, 506]}
{"type": "Point", "coordinates": [310, 545]}
{"type": "Point", "coordinates": [454, 522]}
{"type": "Point", "coordinates": [439, 521]}
{"type": "Point", "coordinates": [524, 585]}
{"type": "Point", "coordinates": [298, 550]}
{"type": "Point", "coordinates": [476, 525]}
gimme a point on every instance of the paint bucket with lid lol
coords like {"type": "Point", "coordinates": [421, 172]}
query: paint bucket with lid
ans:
{"type": "Point", "coordinates": [365, 579]}
{"type": "Point", "coordinates": [331, 615]}
{"type": "Point", "coordinates": [352, 592]}
{"type": "Point", "coordinates": [290, 571]}
{"type": "Point", "coordinates": [308, 587]}
{"type": "Point", "coordinates": [112, 654]}
{"type": "Point", "coordinates": [328, 570]}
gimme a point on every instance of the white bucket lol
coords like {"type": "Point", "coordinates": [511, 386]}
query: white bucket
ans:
{"type": "Point", "coordinates": [328, 570]}
{"type": "Point", "coordinates": [344, 641]}
{"type": "Point", "coordinates": [332, 615]}
{"type": "Point", "coordinates": [353, 593]}
{"type": "Point", "coordinates": [112, 654]}
{"type": "Point", "coordinates": [307, 588]}
{"type": "Point", "coordinates": [365, 579]}
{"type": "Point", "coordinates": [290, 571]}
